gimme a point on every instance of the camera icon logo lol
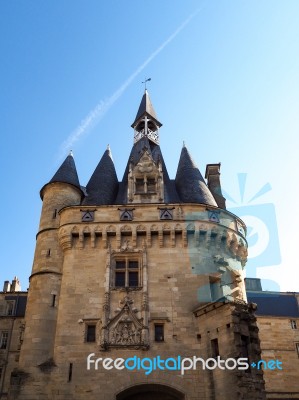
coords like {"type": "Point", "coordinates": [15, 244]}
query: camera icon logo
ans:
{"type": "Point", "coordinates": [261, 222]}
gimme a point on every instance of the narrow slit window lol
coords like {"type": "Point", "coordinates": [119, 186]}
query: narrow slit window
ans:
{"type": "Point", "coordinates": [214, 348]}
{"type": "Point", "coordinates": [53, 300]}
{"type": "Point", "coordinates": [70, 372]}
{"type": "Point", "coordinates": [55, 213]}
{"type": "Point", "coordinates": [159, 333]}
{"type": "Point", "coordinates": [90, 333]}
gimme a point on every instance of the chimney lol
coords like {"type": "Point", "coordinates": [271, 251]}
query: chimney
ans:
{"type": "Point", "coordinates": [15, 285]}
{"type": "Point", "coordinates": [6, 286]}
{"type": "Point", "coordinates": [213, 177]}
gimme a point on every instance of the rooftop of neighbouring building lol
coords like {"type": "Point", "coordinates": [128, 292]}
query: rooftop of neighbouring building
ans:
{"type": "Point", "coordinates": [270, 303]}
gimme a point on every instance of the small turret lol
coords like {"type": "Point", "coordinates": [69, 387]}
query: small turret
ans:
{"type": "Point", "coordinates": [61, 191]}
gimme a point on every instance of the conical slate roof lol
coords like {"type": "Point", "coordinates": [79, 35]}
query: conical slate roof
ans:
{"type": "Point", "coordinates": [190, 183]}
{"type": "Point", "coordinates": [66, 173]}
{"type": "Point", "coordinates": [146, 108]}
{"type": "Point", "coordinates": [103, 184]}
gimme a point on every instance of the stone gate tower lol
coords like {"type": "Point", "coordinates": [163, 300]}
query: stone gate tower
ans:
{"type": "Point", "coordinates": [150, 269]}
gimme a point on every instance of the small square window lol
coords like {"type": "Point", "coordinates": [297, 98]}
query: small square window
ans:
{"type": "Point", "coordinates": [90, 333]}
{"type": "Point", "coordinates": [159, 333]}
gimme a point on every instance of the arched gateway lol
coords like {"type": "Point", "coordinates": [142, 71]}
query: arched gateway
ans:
{"type": "Point", "coordinates": [150, 392]}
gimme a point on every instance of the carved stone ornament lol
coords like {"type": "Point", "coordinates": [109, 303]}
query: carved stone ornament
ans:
{"type": "Point", "coordinates": [125, 329]}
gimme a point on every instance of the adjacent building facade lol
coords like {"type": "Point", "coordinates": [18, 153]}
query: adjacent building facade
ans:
{"type": "Point", "coordinates": [146, 269]}
{"type": "Point", "coordinates": [12, 324]}
{"type": "Point", "coordinates": [278, 321]}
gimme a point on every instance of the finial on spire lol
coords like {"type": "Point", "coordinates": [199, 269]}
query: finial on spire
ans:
{"type": "Point", "coordinates": [184, 144]}
{"type": "Point", "coordinates": [146, 80]}
{"type": "Point", "coordinates": [71, 153]}
{"type": "Point", "coordinates": [108, 147]}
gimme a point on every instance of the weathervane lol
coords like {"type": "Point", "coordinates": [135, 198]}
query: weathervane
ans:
{"type": "Point", "coordinates": [146, 80]}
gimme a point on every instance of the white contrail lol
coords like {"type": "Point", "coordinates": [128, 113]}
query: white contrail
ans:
{"type": "Point", "coordinates": [100, 110]}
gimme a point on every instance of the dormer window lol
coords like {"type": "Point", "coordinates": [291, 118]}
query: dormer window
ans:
{"type": "Point", "coordinates": [145, 180]}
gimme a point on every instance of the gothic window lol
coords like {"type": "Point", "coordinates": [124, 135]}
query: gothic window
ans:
{"type": "Point", "coordinates": [159, 333]}
{"type": "Point", "coordinates": [126, 273]}
{"type": "Point", "coordinates": [90, 333]}
{"type": "Point", "coordinates": [3, 340]}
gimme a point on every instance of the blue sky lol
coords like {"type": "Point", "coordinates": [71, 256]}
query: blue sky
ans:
{"type": "Point", "coordinates": [227, 84]}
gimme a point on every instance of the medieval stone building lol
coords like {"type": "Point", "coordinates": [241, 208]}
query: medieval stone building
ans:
{"type": "Point", "coordinates": [148, 269]}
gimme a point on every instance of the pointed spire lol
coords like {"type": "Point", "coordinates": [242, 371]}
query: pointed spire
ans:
{"type": "Point", "coordinates": [146, 122]}
{"type": "Point", "coordinates": [146, 108]}
{"type": "Point", "coordinates": [66, 173]}
{"type": "Point", "coordinates": [190, 183]}
{"type": "Point", "coordinates": [103, 184]}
